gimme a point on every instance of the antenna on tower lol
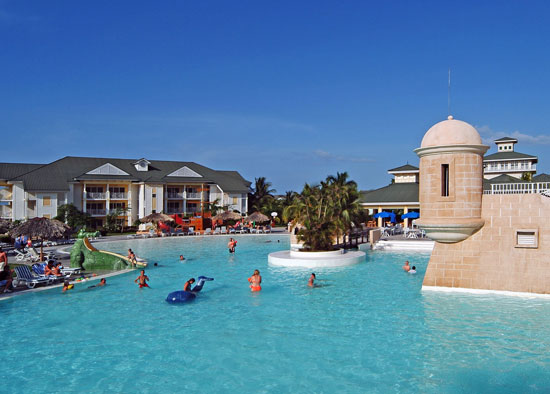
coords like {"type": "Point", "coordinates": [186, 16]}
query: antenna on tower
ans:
{"type": "Point", "coordinates": [449, 95]}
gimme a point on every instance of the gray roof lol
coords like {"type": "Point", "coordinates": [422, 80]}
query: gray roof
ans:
{"type": "Point", "coordinates": [406, 167]}
{"type": "Point", "coordinates": [541, 178]}
{"type": "Point", "coordinates": [12, 170]}
{"type": "Point", "coordinates": [504, 178]}
{"type": "Point", "coordinates": [506, 139]}
{"type": "Point", "coordinates": [508, 156]}
{"type": "Point", "coordinates": [58, 174]}
{"type": "Point", "coordinates": [395, 193]}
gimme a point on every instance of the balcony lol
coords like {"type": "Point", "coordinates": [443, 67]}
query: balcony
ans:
{"type": "Point", "coordinates": [96, 212]}
{"type": "Point", "coordinates": [519, 188]}
{"type": "Point", "coordinates": [5, 212]}
{"type": "Point", "coordinates": [172, 211]}
{"type": "Point", "coordinates": [118, 196]}
{"type": "Point", "coordinates": [95, 196]}
{"type": "Point", "coordinates": [193, 196]}
{"type": "Point", "coordinates": [5, 195]}
{"type": "Point", "coordinates": [178, 196]}
{"type": "Point", "coordinates": [509, 167]}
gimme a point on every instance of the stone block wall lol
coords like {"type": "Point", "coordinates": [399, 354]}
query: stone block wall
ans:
{"type": "Point", "coordinates": [489, 259]}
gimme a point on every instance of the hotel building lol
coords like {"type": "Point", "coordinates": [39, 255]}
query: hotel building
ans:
{"type": "Point", "coordinates": [98, 186]}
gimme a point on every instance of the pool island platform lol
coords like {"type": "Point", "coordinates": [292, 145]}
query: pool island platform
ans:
{"type": "Point", "coordinates": [301, 259]}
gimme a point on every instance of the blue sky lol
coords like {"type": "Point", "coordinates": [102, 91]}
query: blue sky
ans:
{"type": "Point", "coordinates": [293, 91]}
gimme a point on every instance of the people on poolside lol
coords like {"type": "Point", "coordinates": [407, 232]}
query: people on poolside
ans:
{"type": "Point", "coordinates": [56, 268]}
{"type": "Point", "coordinates": [132, 257]}
{"type": "Point", "coordinates": [231, 245]}
{"type": "Point", "coordinates": [143, 279]}
{"type": "Point", "coordinates": [255, 281]}
{"type": "Point", "coordinates": [188, 284]}
{"type": "Point", "coordinates": [311, 281]}
{"type": "Point", "coordinates": [407, 266]}
{"type": "Point", "coordinates": [48, 269]}
{"type": "Point", "coordinates": [67, 286]}
{"type": "Point", "coordinates": [5, 272]}
{"type": "Point", "coordinates": [412, 270]}
{"type": "Point", "coordinates": [181, 257]}
{"type": "Point", "coordinates": [101, 283]}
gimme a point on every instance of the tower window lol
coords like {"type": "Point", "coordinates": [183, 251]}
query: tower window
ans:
{"type": "Point", "coordinates": [445, 180]}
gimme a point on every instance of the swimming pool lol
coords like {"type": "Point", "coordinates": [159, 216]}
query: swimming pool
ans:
{"type": "Point", "coordinates": [368, 328]}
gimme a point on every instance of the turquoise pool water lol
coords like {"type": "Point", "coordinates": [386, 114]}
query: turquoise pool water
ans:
{"type": "Point", "coordinates": [369, 328]}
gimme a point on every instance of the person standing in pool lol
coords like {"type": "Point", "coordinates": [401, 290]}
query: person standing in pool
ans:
{"type": "Point", "coordinates": [255, 281]}
{"type": "Point", "coordinates": [311, 281]}
{"type": "Point", "coordinates": [132, 257]}
{"type": "Point", "coordinates": [231, 245]}
{"type": "Point", "coordinates": [407, 266]}
{"type": "Point", "coordinates": [142, 279]}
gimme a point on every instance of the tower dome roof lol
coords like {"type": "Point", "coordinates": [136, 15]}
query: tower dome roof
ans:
{"type": "Point", "coordinates": [451, 132]}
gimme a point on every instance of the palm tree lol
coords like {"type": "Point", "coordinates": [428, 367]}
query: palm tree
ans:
{"type": "Point", "coordinates": [261, 192]}
{"type": "Point", "coordinates": [325, 211]}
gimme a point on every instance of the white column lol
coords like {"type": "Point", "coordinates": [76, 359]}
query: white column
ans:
{"type": "Point", "coordinates": [85, 197]}
{"type": "Point", "coordinates": [141, 201]}
{"type": "Point", "coordinates": [107, 200]}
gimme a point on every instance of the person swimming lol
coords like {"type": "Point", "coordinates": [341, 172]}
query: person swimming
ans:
{"type": "Point", "coordinates": [413, 270]}
{"type": "Point", "coordinates": [255, 281]}
{"type": "Point", "coordinates": [67, 286]}
{"type": "Point", "coordinates": [181, 257]}
{"type": "Point", "coordinates": [101, 283]}
{"type": "Point", "coordinates": [311, 281]}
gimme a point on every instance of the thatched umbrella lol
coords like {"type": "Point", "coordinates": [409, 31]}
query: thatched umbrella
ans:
{"type": "Point", "coordinates": [227, 215]}
{"type": "Point", "coordinates": [41, 228]}
{"type": "Point", "coordinates": [257, 217]}
{"type": "Point", "coordinates": [156, 217]}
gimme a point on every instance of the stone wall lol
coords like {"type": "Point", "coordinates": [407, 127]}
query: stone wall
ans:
{"type": "Point", "coordinates": [490, 259]}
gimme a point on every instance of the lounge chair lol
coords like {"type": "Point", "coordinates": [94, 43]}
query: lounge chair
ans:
{"type": "Point", "coordinates": [268, 229]}
{"type": "Point", "coordinates": [24, 275]}
{"type": "Point", "coordinates": [208, 231]}
{"type": "Point", "coordinates": [47, 255]}
{"type": "Point", "coordinates": [178, 232]}
{"type": "Point", "coordinates": [191, 231]}
{"type": "Point", "coordinates": [223, 230]}
{"type": "Point", "coordinates": [24, 256]}
{"type": "Point", "coordinates": [217, 231]}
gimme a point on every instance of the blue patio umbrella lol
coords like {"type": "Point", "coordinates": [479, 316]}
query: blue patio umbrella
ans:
{"type": "Point", "coordinates": [385, 214]}
{"type": "Point", "coordinates": [410, 215]}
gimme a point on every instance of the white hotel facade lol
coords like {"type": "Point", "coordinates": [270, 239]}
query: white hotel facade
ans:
{"type": "Point", "coordinates": [100, 185]}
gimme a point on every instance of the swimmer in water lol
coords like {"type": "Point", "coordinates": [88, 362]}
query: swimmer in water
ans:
{"type": "Point", "coordinates": [67, 286]}
{"type": "Point", "coordinates": [231, 245]}
{"type": "Point", "coordinates": [255, 281]}
{"type": "Point", "coordinates": [101, 283]}
{"type": "Point", "coordinates": [311, 281]}
{"type": "Point", "coordinates": [413, 270]}
{"type": "Point", "coordinates": [142, 279]}
{"type": "Point", "coordinates": [406, 267]}
{"type": "Point", "coordinates": [181, 257]}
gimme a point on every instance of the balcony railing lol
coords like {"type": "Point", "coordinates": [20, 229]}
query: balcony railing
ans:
{"type": "Point", "coordinates": [95, 196]}
{"type": "Point", "coordinates": [96, 212]}
{"type": "Point", "coordinates": [510, 167]}
{"type": "Point", "coordinates": [174, 210]}
{"type": "Point", "coordinates": [5, 213]}
{"type": "Point", "coordinates": [5, 195]}
{"type": "Point", "coordinates": [518, 188]}
{"type": "Point", "coordinates": [174, 195]}
{"type": "Point", "coordinates": [193, 196]}
{"type": "Point", "coordinates": [118, 196]}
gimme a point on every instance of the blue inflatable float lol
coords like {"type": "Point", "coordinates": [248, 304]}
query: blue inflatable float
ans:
{"type": "Point", "coordinates": [180, 296]}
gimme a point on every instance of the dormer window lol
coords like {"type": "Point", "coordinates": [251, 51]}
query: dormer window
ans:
{"type": "Point", "coordinates": [142, 165]}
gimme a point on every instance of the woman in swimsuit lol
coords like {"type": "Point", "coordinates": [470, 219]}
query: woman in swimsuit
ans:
{"type": "Point", "coordinates": [187, 285]}
{"type": "Point", "coordinates": [255, 281]}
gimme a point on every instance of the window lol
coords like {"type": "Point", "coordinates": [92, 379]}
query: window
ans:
{"type": "Point", "coordinates": [444, 180]}
{"type": "Point", "coordinates": [154, 195]}
{"type": "Point", "coordinates": [94, 189]}
{"type": "Point", "coordinates": [46, 201]}
{"type": "Point", "coordinates": [47, 216]}
{"type": "Point", "coordinates": [235, 200]}
{"type": "Point", "coordinates": [527, 239]}
{"type": "Point", "coordinates": [117, 205]}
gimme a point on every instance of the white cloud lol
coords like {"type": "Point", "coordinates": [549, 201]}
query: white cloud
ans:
{"type": "Point", "coordinates": [330, 156]}
{"type": "Point", "coordinates": [489, 135]}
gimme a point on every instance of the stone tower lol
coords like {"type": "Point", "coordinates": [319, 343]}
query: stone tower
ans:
{"type": "Point", "coordinates": [451, 181]}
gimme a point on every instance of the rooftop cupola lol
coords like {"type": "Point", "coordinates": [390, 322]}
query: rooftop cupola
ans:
{"type": "Point", "coordinates": [142, 165]}
{"type": "Point", "coordinates": [451, 181]}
